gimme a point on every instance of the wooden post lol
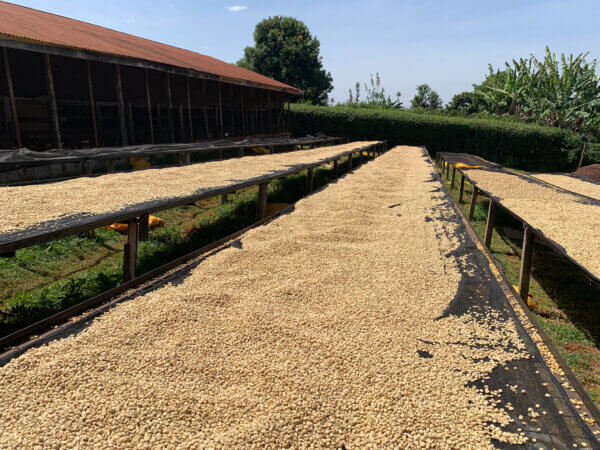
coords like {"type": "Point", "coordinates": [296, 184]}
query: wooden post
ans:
{"type": "Point", "coordinates": [131, 124]}
{"type": "Point", "coordinates": [232, 111]}
{"type": "Point", "coordinates": [309, 180]}
{"type": "Point", "coordinates": [448, 171]}
{"type": "Point", "coordinates": [360, 158]}
{"type": "Point", "coordinates": [261, 207]}
{"type": "Point", "coordinates": [269, 112]}
{"type": "Point", "coordinates": [473, 203]}
{"type": "Point", "coordinates": [204, 108]}
{"type": "Point", "coordinates": [170, 112]}
{"type": "Point", "coordinates": [181, 125]}
{"type": "Point", "coordinates": [53, 105]}
{"type": "Point", "coordinates": [220, 110]}
{"type": "Point", "coordinates": [489, 227]}
{"type": "Point", "coordinates": [189, 108]}
{"type": "Point", "coordinates": [462, 188]}
{"type": "Point", "coordinates": [144, 226]}
{"type": "Point", "coordinates": [349, 162]}
{"type": "Point", "coordinates": [243, 110]}
{"type": "Point", "coordinates": [110, 165]}
{"type": "Point", "coordinates": [526, 258]}
{"type": "Point", "coordinates": [262, 122]}
{"type": "Point", "coordinates": [582, 156]}
{"type": "Point", "coordinates": [130, 250]}
{"type": "Point", "coordinates": [121, 105]}
{"type": "Point", "coordinates": [87, 167]}
{"type": "Point", "coordinates": [453, 177]}
{"type": "Point", "coordinates": [223, 198]}
{"type": "Point", "coordinates": [149, 106]}
{"type": "Point", "coordinates": [336, 169]}
{"type": "Point", "coordinates": [92, 105]}
{"type": "Point", "coordinates": [11, 95]}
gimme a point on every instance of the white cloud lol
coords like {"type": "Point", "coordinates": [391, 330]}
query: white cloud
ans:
{"type": "Point", "coordinates": [236, 8]}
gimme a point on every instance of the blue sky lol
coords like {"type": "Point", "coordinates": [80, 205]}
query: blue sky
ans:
{"type": "Point", "coordinates": [445, 43]}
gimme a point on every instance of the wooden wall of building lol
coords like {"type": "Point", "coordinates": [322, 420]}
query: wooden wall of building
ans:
{"type": "Point", "coordinates": [51, 101]}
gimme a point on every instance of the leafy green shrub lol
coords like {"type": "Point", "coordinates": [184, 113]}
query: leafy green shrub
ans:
{"type": "Point", "coordinates": [518, 145]}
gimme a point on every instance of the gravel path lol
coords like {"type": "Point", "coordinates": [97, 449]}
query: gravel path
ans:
{"type": "Point", "coordinates": [568, 219]}
{"type": "Point", "coordinates": [27, 206]}
{"type": "Point", "coordinates": [572, 183]}
{"type": "Point", "coordinates": [326, 327]}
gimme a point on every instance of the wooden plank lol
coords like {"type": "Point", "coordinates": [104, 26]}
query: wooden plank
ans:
{"type": "Point", "coordinates": [181, 123]}
{"type": "Point", "coordinates": [130, 250]}
{"type": "Point", "coordinates": [220, 110]}
{"type": "Point", "coordinates": [461, 191]}
{"type": "Point", "coordinates": [189, 108]}
{"type": "Point", "coordinates": [526, 259]}
{"type": "Point", "coordinates": [309, 180]}
{"type": "Point", "coordinates": [121, 105]}
{"type": "Point", "coordinates": [53, 105]}
{"type": "Point", "coordinates": [13, 105]}
{"type": "Point", "coordinates": [149, 107]}
{"type": "Point", "coordinates": [473, 202]}
{"type": "Point", "coordinates": [489, 226]}
{"type": "Point", "coordinates": [170, 111]}
{"type": "Point", "coordinates": [261, 207]}
{"type": "Point", "coordinates": [92, 105]}
{"type": "Point", "coordinates": [243, 111]}
{"type": "Point", "coordinates": [131, 124]}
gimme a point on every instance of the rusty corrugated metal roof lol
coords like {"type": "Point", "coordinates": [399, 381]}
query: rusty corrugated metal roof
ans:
{"type": "Point", "coordinates": [26, 23]}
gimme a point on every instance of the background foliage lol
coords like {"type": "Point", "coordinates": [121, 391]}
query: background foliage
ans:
{"type": "Point", "coordinates": [514, 144]}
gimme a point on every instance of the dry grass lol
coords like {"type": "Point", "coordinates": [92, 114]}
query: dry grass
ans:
{"type": "Point", "coordinates": [307, 335]}
{"type": "Point", "coordinates": [566, 218]}
{"type": "Point", "coordinates": [26, 206]}
{"type": "Point", "coordinates": [572, 183]}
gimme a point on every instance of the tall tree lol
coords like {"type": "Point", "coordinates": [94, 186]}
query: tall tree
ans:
{"type": "Point", "coordinates": [426, 98]}
{"type": "Point", "coordinates": [285, 49]}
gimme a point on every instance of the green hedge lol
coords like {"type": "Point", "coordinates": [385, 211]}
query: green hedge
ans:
{"type": "Point", "coordinates": [518, 145]}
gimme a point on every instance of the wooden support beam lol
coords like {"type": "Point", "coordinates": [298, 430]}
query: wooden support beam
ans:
{"type": "Point", "coordinates": [269, 112]}
{"type": "Point", "coordinates": [261, 207]}
{"type": "Point", "coordinates": [13, 105]}
{"type": "Point", "coordinates": [149, 107]}
{"type": "Point", "coordinates": [309, 180]}
{"type": "Point", "coordinates": [453, 177]}
{"type": "Point", "coordinates": [189, 108]}
{"type": "Point", "coordinates": [53, 105]}
{"type": "Point", "coordinates": [489, 226]}
{"type": "Point", "coordinates": [336, 168]}
{"type": "Point", "coordinates": [170, 112]}
{"type": "Point", "coordinates": [461, 191]}
{"type": "Point", "coordinates": [220, 110]}
{"type": "Point", "coordinates": [232, 131]}
{"type": "Point", "coordinates": [92, 105]}
{"type": "Point", "coordinates": [243, 110]}
{"type": "Point", "coordinates": [131, 124]}
{"type": "Point", "coordinates": [181, 124]}
{"type": "Point", "coordinates": [121, 105]}
{"type": "Point", "coordinates": [448, 171]}
{"type": "Point", "coordinates": [130, 250]}
{"type": "Point", "coordinates": [144, 226]}
{"type": "Point", "coordinates": [473, 202]}
{"type": "Point", "coordinates": [526, 259]}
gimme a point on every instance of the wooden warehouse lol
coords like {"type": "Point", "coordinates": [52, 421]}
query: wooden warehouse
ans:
{"type": "Point", "coordinates": [70, 84]}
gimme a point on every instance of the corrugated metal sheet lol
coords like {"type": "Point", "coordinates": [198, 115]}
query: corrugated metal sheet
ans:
{"type": "Point", "coordinates": [50, 29]}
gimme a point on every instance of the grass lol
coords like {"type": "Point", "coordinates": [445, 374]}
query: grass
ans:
{"type": "Point", "coordinates": [564, 302]}
{"type": "Point", "coordinates": [44, 279]}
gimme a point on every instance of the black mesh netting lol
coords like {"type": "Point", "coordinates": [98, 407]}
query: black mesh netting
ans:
{"type": "Point", "coordinates": [561, 426]}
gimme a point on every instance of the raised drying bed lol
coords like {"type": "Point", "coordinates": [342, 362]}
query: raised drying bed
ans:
{"type": "Point", "coordinates": [366, 317]}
